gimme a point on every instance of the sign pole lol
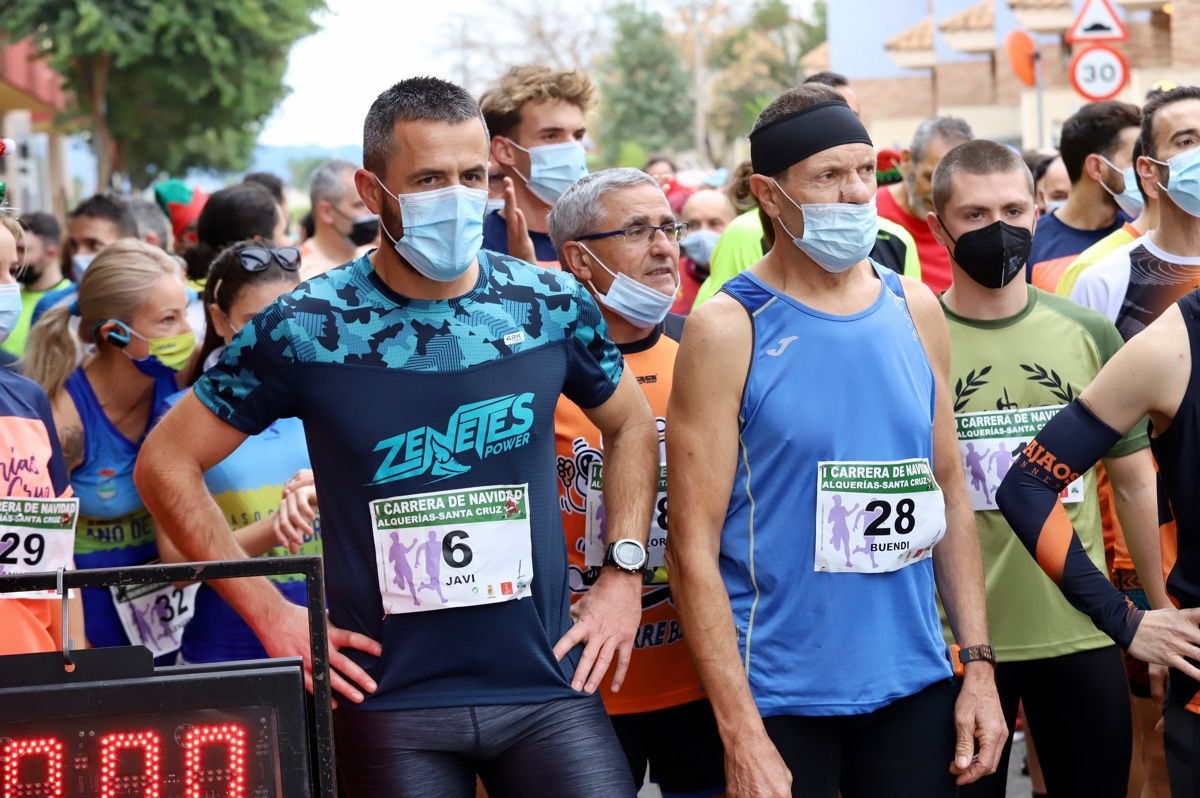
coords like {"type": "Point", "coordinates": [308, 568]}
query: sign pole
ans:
{"type": "Point", "coordinates": [1037, 90]}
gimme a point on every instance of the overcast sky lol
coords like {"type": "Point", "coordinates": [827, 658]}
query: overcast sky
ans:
{"type": "Point", "coordinates": [365, 46]}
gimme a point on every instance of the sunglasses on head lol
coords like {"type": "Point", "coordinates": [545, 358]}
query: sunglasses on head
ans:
{"type": "Point", "coordinates": [258, 259]}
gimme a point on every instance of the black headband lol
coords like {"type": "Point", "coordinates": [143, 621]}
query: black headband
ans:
{"type": "Point", "coordinates": [778, 145]}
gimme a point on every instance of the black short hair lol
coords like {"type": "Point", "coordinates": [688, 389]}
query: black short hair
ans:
{"type": "Point", "coordinates": [797, 99]}
{"type": "Point", "coordinates": [114, 209]}
{"type": "Point", "coordinates": [975, 157]}
{"type": "Point", "coordinates": [1138, 152]}
{"type": "Point", "coordinates": [424, 98]}
{"type": "Point", "coordinates": [236, 213]}
{"type": "Point", "coordinates": [1155, 104]}
{"type": "Point", "coordinates": [43, 225]}
{"type": "Point", "coordinates": [1094, 129]}
{"type": "Point", "coordinates": [826, 78]}
{"type": "Point", "coordinates": [1042, 167]}
{"type": "Point", "coordinates": [271, 182]}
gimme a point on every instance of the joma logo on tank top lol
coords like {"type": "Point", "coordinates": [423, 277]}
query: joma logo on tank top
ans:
{"type": "Point", "coordinates": [487, 428]}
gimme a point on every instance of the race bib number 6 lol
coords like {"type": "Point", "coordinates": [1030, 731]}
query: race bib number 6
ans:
{"type": "Point", "coordinates": [457, 548]}
{"type": "Point", "coordinates": [875, 517]}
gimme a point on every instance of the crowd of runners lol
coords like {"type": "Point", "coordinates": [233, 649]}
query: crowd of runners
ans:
{"type": "Point", "coordinates": [812, 484]}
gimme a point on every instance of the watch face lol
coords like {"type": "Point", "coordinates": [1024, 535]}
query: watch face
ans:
{"type": "Point", "coordinates": [628, 554]}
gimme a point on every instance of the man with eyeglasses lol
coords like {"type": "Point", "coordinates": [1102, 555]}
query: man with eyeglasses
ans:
{"type": "Point", "coordinates": [615, 232]}
{"type": "Point", "coordinates": [426, 375]}
{"type": "Point", "coordinates": [818, 497]}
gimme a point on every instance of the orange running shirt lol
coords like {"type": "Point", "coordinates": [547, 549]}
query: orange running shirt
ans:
{"type": "Point", "coordinates": [660, 673]}
{"type": "Point", "coordinates": [31, 465]}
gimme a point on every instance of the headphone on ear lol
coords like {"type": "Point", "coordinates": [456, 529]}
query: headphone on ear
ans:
{"type": "Point", "coordinates": [118, 336]}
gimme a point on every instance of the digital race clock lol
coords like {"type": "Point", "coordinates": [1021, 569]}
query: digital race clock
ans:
{"type": "Point", "coordinates": [237, 730]}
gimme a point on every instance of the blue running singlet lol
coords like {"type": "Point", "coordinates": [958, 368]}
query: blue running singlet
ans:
{"type": "Point", "coordinates": [830, 389]}
{"type": "Point", "coordinates": [247, 485]}
{"type": "Point", "coordinates": [115, 528]}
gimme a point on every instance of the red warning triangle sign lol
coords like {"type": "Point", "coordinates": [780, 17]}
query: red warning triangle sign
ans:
{"type": "Point", "coordinates": [1097, 22]}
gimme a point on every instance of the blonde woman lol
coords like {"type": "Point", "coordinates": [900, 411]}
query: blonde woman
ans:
{"type": "Point", "coordinates": [131, 308]}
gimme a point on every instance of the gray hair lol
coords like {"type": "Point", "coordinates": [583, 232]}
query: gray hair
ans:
{"type": "Point", "coordinates": [424, 98]}
{"type": "Point", "coordinates": [949, 129]}
{"type": "Point", "coordinates": [326, 182]}
{"type": "Point", "coordinates": [577, 212]}
{"type": "Point", "coordinates": [149, 218]}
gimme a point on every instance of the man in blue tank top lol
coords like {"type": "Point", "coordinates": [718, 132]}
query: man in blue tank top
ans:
{"type": "Point", "coordinates": [817, 634]}
{"type": "Point", "coordinates": [426, 375]}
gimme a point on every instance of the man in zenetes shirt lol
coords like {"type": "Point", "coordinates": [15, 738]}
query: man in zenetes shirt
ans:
{"type": "Point", "coordinates": [536, 116]}
{"type": "Point", "coordinates": [426, 375]}
{"type": "Point", "coordinates": [1017, 355]}
{"type": "Point", "coordinates": [808, 527]}
{"type": "Point", "coordinates": [618, 236]}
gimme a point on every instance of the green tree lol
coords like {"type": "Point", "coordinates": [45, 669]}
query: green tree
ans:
{"type": "Point", "coordinates": [164, 86]}
{"type": "Point", "coordinates": [301, 169]}
{"type": "Point", "coordinates": [759, 60]}
{"type": "Point", "coordinates": [646, 97]}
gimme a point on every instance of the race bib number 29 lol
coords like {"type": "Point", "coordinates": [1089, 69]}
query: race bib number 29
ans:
{"type": "Point", "coordinates": [36, 535]}
{"type": "Point", "coordinates": [457, 548]}
{"type": "Point", "coordinates": [875, 517]}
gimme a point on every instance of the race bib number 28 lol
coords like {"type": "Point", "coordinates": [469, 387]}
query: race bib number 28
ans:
{"type": "Point", "coordinates": [457, 548]}
{"type": "Point", "coordinates": [875, 517]}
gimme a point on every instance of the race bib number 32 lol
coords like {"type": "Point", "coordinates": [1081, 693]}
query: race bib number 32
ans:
{"type": "Point", "coordinates": [875, 517]}
{"type": "Point", "coordinates": [36, 535]}
{"type": "Point", "coordinates": [457, 548]}
{"type": "Point", "coordinates": [154, 615]}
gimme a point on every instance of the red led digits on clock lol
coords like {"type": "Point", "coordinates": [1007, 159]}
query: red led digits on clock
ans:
{"type": "Point", "coordinates": [49, 782]}
{"type": "Point", "coordinates": [198, 779]}
{"type": "Point", "coordinates": [146, 782]}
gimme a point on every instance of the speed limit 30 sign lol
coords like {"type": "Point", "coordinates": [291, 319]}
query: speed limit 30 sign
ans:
{"type": "Point", "coordinates": [1099, 72]}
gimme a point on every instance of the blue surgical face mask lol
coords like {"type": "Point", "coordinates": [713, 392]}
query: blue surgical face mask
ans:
{"type": "Point", "coordinates": [553, 168]}
{"type": "Point", "coordinates": [699, 246]}
{"type": "Point", "coordinates": [639, 304]}
{"type": "Point", "coordinates": [1129, 200]}
{"type": "Point", "coordinates": [837, 235]}
{"type": "Point", "coordinates": [493, 204]}
{"type": "Point", "coordinates": [10, 308]}
{"type": "Point", "coordinates": [1053, 205]}
{"type": "Point", "coordinates": [1183, 180]}
{"type": "Point", "coordinates": [79, 264]}
{"type": "Point", "coordinates": [443, 230]}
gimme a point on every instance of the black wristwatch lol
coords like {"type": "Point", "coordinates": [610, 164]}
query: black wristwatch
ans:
{"type": "Point", "coordinates": [627, 555]}
{"type": "Point", "coordinates": [978, 653]}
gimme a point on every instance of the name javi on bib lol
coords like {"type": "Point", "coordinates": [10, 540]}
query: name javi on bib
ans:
{"type": "Point", "coordinates": [487, 428]}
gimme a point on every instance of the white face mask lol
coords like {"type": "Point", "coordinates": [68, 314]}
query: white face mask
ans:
{"type": "Point", "coordinates": [640, 305]}
{"type": "Point", "coordinates": [10, 308]}
{"type": "Point", "coordinates": [553, 168]}
{"type": "Point", "coordinates": [837, 235]}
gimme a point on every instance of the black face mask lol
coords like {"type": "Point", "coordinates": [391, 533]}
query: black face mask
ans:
{"type": "Point", "coordinates": [363, 229]}
{"type": "Point", "coordinates": [992, 256]}
{"type": "Point", "coordinates": [28, 276]}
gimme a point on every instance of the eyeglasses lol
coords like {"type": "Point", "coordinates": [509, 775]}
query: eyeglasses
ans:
{"type": "Point", "coordinates": [643, 233]}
